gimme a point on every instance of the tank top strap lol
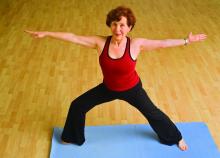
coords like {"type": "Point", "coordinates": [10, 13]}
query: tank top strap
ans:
{"type": "Point", "coordinates": [127, 49]}
{"type": "Point", "coordinates": [106, 46]}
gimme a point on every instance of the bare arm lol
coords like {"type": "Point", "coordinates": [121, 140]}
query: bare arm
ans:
{"type": "Point", "coordinates": [87, 41]}
{"type": "Point", "coordinates": [146, 45]}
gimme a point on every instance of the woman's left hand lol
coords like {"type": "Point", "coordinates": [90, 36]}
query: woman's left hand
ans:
{"type": "Point", "coordinates": [196, 38]}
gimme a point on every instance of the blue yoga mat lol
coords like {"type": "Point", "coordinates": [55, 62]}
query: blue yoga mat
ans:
{"type": "Point", "coordinates": [135, 141]}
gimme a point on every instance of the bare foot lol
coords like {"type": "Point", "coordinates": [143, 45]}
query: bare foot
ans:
{"type": "Point", "coordinates": [65, 143]}
{"type": "Point", "coordinates": [182, 145]}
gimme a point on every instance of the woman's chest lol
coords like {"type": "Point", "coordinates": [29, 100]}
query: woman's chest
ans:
{"type": "Point", "coordinates": [119, 52]}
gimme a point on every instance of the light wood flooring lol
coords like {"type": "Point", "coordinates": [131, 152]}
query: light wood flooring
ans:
{"type": "Point", "coordinates": [40, 77]}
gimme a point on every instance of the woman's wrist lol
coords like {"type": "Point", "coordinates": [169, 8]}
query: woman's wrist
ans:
{"type": "Point", "coordinates": [186, 41]}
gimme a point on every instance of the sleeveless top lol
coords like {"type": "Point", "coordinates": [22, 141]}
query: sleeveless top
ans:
{"type": "Point", "coordinates": [118, 74]}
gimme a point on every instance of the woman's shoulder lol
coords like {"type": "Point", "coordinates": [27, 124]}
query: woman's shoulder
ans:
{"type": "Point", "coordinates": [100, 39]}
{"type": "Point", "coordinates": [136, 41]}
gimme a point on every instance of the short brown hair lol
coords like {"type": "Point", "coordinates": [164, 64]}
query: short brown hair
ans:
{"type": "Point", "coordinates": [117, 13]}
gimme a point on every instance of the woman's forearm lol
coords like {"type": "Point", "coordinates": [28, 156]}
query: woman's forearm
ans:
{"type": "Point", "coordinates": [179, 42]}
{"type": "Point", "coordinates": [65, 36]}
{"type": "Point", "coordinates": [87, 41]}
{"type": "Point", "coordinates": [174, 42]}
{"type": "Point", "coordinates": [61, 35]}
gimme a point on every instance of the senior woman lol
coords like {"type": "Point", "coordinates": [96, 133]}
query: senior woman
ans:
{"type": "Point", "coordinates": [117, 58]}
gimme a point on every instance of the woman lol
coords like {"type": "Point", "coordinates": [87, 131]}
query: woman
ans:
{"type": "Point", "coordinates": [117, 58]}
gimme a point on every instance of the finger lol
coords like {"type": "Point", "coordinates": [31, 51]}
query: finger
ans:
{"type": "Point", "coordinates": [204, 36]}
{"type": "Point", "coordinates": [32, 33]}
{"type": "Point", "coordinates": [27, 31]}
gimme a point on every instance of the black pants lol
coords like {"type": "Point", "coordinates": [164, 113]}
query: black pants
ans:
{"type": "Point", "coordinates": [74, 127]}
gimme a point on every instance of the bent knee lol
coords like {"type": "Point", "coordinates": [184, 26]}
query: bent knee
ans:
{"type": "Point", "coordinates": [78, 106]}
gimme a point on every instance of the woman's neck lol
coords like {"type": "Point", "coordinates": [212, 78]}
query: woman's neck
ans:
{"type": "Point", "coordinates": [118, 42]}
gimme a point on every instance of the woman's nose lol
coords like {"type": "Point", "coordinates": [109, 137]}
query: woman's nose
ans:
{"type": "Point", "coordinates": [118, 28]}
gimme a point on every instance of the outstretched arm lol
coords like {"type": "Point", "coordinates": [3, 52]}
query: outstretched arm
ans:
{"type": "Point", "coordinates": [146, 45]}
{"type": "Point", "coordinates": [87, 41]}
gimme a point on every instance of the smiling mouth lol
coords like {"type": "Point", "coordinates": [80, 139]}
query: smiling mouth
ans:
{"type": "Point", "coordinates": [117, 34]}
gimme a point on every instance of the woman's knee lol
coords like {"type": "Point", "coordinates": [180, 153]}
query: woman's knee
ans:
{"type": "Point", "coordinates": [75, 106]}
{"type": "Point", "coordinates": [79, 106]}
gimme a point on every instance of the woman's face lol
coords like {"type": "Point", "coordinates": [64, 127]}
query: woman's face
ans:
{"type": "Point", "coordinates": [120, 28]}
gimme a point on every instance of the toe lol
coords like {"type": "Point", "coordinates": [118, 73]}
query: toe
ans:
{"type": "Point", "coordinates": [182, 145]}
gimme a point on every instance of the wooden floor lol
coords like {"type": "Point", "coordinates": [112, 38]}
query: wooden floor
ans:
{"type": "Point", "coordinates": [40, 78]}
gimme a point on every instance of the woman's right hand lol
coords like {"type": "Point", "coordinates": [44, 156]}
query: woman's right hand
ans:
{"type": "Point", "coordinates": [37, 34]}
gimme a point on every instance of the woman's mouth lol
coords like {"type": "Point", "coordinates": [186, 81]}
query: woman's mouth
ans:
{"type": "Point", "coordinates": [117, 34]}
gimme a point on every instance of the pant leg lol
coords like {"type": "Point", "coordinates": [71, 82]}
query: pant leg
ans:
{"type": "Point", "coordinates": [75, 123]}
{"type": "Point", "coordinates": [160, 122]}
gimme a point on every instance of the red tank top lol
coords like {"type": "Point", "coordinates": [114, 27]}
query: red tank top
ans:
{"type": "Point", "coordinates": [119, 74]}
